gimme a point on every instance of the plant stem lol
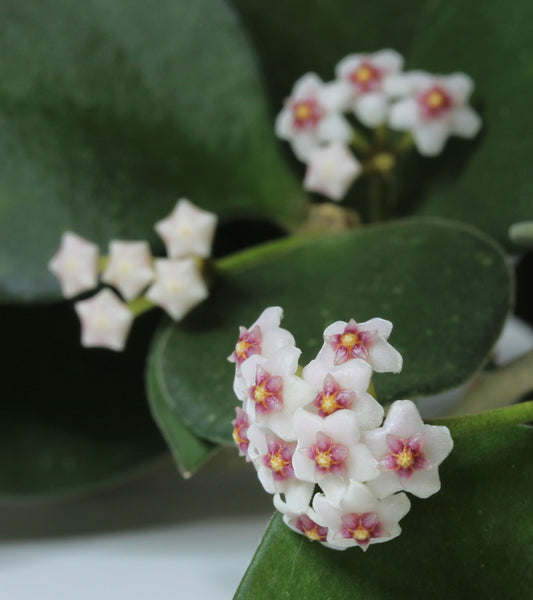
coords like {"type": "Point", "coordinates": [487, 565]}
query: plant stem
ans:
{"type": "Point", "coordinates": [360, 141]}
{"type": "Point", "coordinates": [140, 306]}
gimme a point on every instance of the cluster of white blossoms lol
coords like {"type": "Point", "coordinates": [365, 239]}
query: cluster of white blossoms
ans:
{"type": "Point", "coordinates": [373, 88]}
{"type": "Point", "coordinates": [318, 442]}
{"type": "Point", "coordinates": [175, 283]}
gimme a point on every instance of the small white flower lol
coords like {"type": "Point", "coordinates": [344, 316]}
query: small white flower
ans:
{"type": "Point", "coordinates": [408, 452]}
{"type": "Point", "coordinates": [344, 387]}
{"type": "Point", "coordinates": [188, 230]}
{"type": "Point", "coordinates": [178, 286]}
{"type": "Point", "coordinates": [75, 264]}
{"type": "Point", "coordinates": [105, 321]}
{"type": "Point", "coordinates": [331, 170]}
{"type": "Point", "coordinates": [329, 452]}
{"type": "Point", "coordinates": [367, 341]}
{"type": "Point", "coordinates": [129, 268]}
{"type": "Point", "coordinates": [274, 392]}
{"type": "Point", "coordinates": [364, 77]}
{"type": "Point", "coordinates": [311, 116]}
{"type": "Point", "coordinates": [361, 519]}
{"type": "Point", "coordinates": [435, 108]}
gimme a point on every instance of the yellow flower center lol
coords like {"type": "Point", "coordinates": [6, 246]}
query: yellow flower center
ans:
{"type": "Point", "coordinates": [363, 74]}
{"type": "Point", "coordinates": [241, 347]}
{"type": "Point", "coordinates": [361, 533]}
{"type": "Point", "coordinates": [323, 459]}
{"type": "Point", "coordinates": [277, 463]}
{"type": "Point", "coordinates": [313, 534]}
{"type": "Point", "coordinates": [349, 340]}
{"type": "Point", "coordinates": [405, 459]}
{"type": "Point", "coordinates": [261, 394]}
{"type": "Point", "coordinates": [329, 403]}
{"type": "Point", "coordinates": [435, 99]}
{"type": "Point", "coordinates": [302, 111]}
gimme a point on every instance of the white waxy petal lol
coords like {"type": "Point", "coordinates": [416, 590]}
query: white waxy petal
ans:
{"type": "Point", "coordinates": [430, 138]}
{"type": "Point", "coordinates": [465, 122]}
{"type": "Point", "coordinates": [334, 128]}
{"type": "Point", "coordinates": [75, 264]}
{"type": "Point", "coordinates": [105, 321]}
{"type": "Point", "coordinates": [459, 86]}
{"type": "Point", "coordinates": [404, 114]}
{"type": "Point", "coordinates": [331, 170]}
{"type": "Point", "coordinates": [178, 286]}
{"type": "Point", "coordinates": [129, 268]}
{"type": "Point", "coordinates": [309, 84]}
{"type": "Point", "coordinates": [388, 60]}
{"type": "Point", "coordinates": [372, 109]}
{"type": "Point", "coordinates": [188, 230]}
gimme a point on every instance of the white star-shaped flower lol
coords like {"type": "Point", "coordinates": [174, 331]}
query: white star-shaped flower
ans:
{"type": "Point", "coordinates": [331, 170]}
{"type": "Point", "coordinates": [105, 321]}
{"type": "Point", "coordinates": [188, 230]}
{"type": "Point", "coordinates": [129, 268]}
{"type": "Point", "coordinates": [75, 264]}
{"type": "Point", "coordinates": [178, 286]}
{"type": "Point", "coordinates": [408, 452]}
{"type": "Point", "coordinates": [363, 79]}
{"type": "Point", "coordinates": [435, 107]}
{"type": "Point", "coordinates": [312, 116]}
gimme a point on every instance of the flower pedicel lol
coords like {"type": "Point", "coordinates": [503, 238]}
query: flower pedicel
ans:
{"type": "Point", "coordinates": [339, 474]}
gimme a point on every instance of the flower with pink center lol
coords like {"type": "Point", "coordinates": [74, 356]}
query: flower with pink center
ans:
{"type": "Point", "coordinates": [188, 230]}
{"type": "Point", "coordinates": [433, 108]}
{"type": "Point", "coordinates": [359, 518]}
{"type": "Point", "coordinates": [272, 457]}
{"type": "Point", "coordinates": [75, 264]}
{"type": "Point", "coordinates": [249, 343]}
{"type": "Point", "coordinates": [274, 392]}
{"type": "Point", "coordinates": [344, 387]}
{"type": "Point", "coordinates": [363, 78]}
{"type": "Point", "coordinates": [240, 432]}
{"type": "Point", "coordinates": [409, 452]}
{"type": "Point", "coordinates": [105, 321]}
{"type": "Point", "coordinates": [311, 116]}
{"type": "Point", "coordinates": [129, 268]}
{"type": "Point", "coordinates": [331, 170]}
{"type": "Point", "coordinates": [367, 341]}
{"type": "Point", "coordinates": [329, 451]}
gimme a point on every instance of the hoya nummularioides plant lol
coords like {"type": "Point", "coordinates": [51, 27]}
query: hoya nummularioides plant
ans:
{"type": "Point", "coordinates": [138, 281]}
{"type": "Point", "coordinates": [347, 127]}
{"type": "Point", "coordinates": [339, 474]}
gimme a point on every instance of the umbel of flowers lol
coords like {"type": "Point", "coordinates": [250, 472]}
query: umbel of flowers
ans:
{"type": "Point", "coordinates": [338, 472]}
{"type": "Point", "coordinates": [137, 281]}
{"type": "Point", "coordinates": [320, 119]}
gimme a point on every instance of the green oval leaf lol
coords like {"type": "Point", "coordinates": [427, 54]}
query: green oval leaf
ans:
{"type": "Point", "coordinates": [70, 419]}
{"type": "Point", "coordinates": [109, 112]}
{"type": "Point", "coordinates": [451, 545]}
{"type": "Point", "coordinates": [445, 287]}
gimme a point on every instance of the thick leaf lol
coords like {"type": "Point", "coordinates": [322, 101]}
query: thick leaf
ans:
{"type": "Point", "coordinates": [110, 111]}
{"type": "Point", "coordinates": [70, 418]}
{"type": "Point", "coordinates": [445, 287]}
{"type": "Point", "coordinates": [486, 182]}
{"type": "Point", "coordinates": [452, 544]}
{"type": "Point", "coordinates": [189, 451]}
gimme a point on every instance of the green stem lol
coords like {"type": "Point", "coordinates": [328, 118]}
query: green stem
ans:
{"type": "Point", "coordinates": [376, 198]}
{"type": "Point", "coordinates": [405, 143]}
{"type": "Point", "coordinates": [140, 306]}
{"type": "Point", "coordinates": [360, 141]}
{"type": "Point", "coordinates": [500, 387]}
{"type": "Point", "coordinates": [488, 420]}
{"type": "Point", "coordinates": [381, 134]}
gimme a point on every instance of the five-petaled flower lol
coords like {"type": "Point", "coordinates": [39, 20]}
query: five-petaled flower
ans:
{"type": "Point", "coordinates": [129, 268]}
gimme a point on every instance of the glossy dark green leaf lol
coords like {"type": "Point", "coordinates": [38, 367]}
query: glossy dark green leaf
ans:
{"type": "Point", "coordinates": [471, 540]}
{"type": "Point", "coordinates": [70, 418]}
{"type": "Point", "coordinates": [111, 111]}
{"type": "Point", "coordinates": [189, 451]}
{"type": "Point", "coordinates": [445, 287]}
{"type": "Point", "coordinates": [486, 182]}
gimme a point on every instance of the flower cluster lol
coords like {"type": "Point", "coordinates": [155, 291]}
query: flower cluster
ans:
{"type": "Point", "coordinates": [318, 442]}
{"type": "Point", "coordinates": [175, 283]}
{"type": "Point", "coordinates": [372, 88]}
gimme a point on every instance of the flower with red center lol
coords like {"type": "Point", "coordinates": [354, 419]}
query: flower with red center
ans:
{"type": "Point", "coordinates": [362, 80]}
{"type": "Point", "coordinates": [306, 113]}
{"type": "Point", "coordinates": [249, 343]}
{"type": "Point", "coordinates": [362, 528]}
{"type": "Point", "coordinates": [367, 341]}
{"type": "Point", "coordinates": [240, 432]}
{"type": "Point", "coordinates": [351, 343]}
{"type": "Point", "coordinates": [328, 456]}
{"type": "Point", "coordinates": [358, 518]}
{"type": "Point", "coordinates": [405, 456]}
{"type": "Point", "coordinates": [433, 108]}
{"type": "Point", "coordinates": [398, 448]}
{"type": "Point", "coordinates": [312, 530]}
{"type": "Point", "coordinates": [279, 459]}
{"type": "Point", "coordinates": [333, 397]}
{"type": "Point", "coordinates": [267, 393]}
{"type": "Point", "coordinates": [312, 116]}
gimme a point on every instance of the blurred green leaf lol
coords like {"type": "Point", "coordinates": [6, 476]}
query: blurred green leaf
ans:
{"type": "Point", "coordinates": [487, 181]}
{"type": "Point", "coordinates": [445, 287]}
{"type": "Point", "coordinates": [189, 451]}
{"type": "Point", "coordinates": [70, 418]}
{"type": "Point", "coordinates": [111, 111]}
{"type": "Point", "coordinates": [471, 540]}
